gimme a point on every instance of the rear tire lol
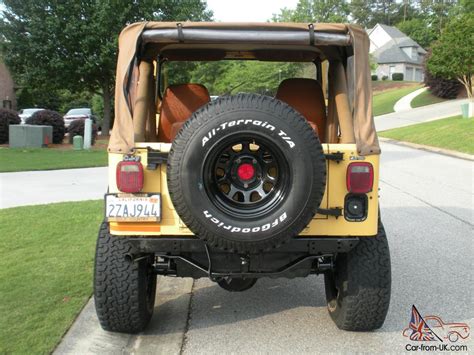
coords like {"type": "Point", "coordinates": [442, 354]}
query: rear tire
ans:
{"type": "Point", "coordinates": [236, 284]}
{"type": "Point", "coordinates": [358, 290]}
{"type": "Point", "coordinates": [124, 290]}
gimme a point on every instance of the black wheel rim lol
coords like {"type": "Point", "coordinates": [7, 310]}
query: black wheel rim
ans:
{"type": "Point", "coordinates": [246, 175]}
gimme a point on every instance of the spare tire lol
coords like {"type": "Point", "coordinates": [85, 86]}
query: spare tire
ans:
{"type": "Point", "coordinates": [246, 173]}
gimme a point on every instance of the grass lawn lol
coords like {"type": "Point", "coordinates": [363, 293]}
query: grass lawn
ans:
{"type": "Point", "coordinates": [453, 133]}
{"type": "Point", "coordinates": [21, 159]}
{"type": "Point", "coordinates": [425, 98]}
{"type": "Point", "coordinates": [45, 272]}
{"type": "Point", "coordinates": [383, 102]}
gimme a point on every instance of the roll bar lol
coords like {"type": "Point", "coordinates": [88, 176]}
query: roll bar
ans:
{"type": "Point", "coordinates": [264, 36]}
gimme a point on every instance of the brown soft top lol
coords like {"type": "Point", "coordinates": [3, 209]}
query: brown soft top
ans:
{"type": "Point", "coordinates": [357, 87]}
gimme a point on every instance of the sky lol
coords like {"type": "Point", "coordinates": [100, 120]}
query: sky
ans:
{"type": "Point", "coordinates": [247, 10]}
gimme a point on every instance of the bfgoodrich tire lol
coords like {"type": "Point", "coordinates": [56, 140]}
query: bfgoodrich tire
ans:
{"type": "Point", "coordinates": [246, 173]}
{"type": "Point", "coordinates": [124, 290]}
{"type": "Point", "coordinates": [358, 291]}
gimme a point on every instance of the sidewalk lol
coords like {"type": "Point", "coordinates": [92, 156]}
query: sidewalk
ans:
{"type": "Point", "coordinates": [419, 115]}
{"type": "Point", "coordinates": [40, 187]}
{"type": "Point", "coordinates": [404, 104]}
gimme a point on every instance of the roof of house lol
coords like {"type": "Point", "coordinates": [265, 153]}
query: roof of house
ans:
{"type": "Point", "coordinates": [392, 52]}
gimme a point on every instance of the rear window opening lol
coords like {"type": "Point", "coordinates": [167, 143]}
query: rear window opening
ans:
{"type": "Point", "coordinates": [169, 70]}
{"type": "Point", "coordinates": [228, 77]}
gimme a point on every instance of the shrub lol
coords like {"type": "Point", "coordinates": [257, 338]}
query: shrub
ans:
{"type": "Point", "coordinates": [7, 117]}
{"type": "Point", "coordinates": [397, 76]}
{"type": "Point", "coordinates": [385, 77]}
{"type": "Point", "coordinates": [444, 88]}
{"type": "Point", "coordinates": [374, 77]}
{"type": "Point", "coordinates": [76, 128]}
{"type": "Point", "coordinates": [49, 118]}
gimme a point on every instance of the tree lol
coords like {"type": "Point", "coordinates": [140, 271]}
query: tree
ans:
{"type": "Point", "coordinates": [452, 55]}
{"type": "Point", "coordinates": [427, 19]}
{"type": "Point", "coordinates": [445, 88]}
{"type": "Point", "coordinates": [52, 44]}
{"type": "Point", "coordinates": [315, 11]}
{"type": "Point", "coordinates": [419, 30]}
{"type": "Point", "coordinates": [368, 13]}
{"type": "Point", "coordinates": [437, 12]}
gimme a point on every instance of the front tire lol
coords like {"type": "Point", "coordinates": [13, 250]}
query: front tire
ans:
{"type": "Point", "coordinates": [358, 290]}
{"type": "Point", "coordinates": [124, 290]}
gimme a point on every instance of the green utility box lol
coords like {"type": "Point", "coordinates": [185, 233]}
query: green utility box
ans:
{"type": "Point", "coordinates": [465, 110]}
{"type": "Point", "coordinates": [30, 136]}
{"type": "Point", "coordinates": [77, 142]}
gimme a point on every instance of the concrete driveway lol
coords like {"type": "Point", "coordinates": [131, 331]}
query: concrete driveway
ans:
{"type": "Point", "coordinates": [419, 115]}
{"type": "Point", "coordinates": [39, 187]}
{"type": "Point", "coordinates": [427, 205]}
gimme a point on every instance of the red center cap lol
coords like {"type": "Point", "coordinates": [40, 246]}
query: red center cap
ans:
{"type": "Point", "coordinates": [245, 171]}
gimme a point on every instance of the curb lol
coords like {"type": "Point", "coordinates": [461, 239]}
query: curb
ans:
{"type": "Point", "coordinates": [428, 148]}
{"type": "Point", "coordinates": [164, 335]}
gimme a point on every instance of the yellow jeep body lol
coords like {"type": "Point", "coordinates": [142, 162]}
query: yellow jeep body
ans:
{"type": "Point", "coordinates": [270, 184]}
{"type": "Point", "coordinates": [321, 225]}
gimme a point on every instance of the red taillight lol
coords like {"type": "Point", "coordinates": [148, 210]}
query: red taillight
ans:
{"type": "Point", "coordinates": [360, 178]}
{"type": "Point", "coordinates": [129, 176]}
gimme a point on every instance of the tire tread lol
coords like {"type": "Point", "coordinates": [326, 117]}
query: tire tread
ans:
{"type": "Point", "coordinates": [117, 294]}
{"type": "Point", "coordinates": [227, 104]}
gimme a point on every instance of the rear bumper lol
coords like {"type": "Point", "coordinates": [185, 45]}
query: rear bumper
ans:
{"type": "Point", "coordinates": [175, 246]}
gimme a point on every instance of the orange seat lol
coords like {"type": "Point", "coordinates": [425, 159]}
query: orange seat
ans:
{"type": "Point", "coordinates": [306, 97]}
{"type": "Point", "coordinates": [179, 103]}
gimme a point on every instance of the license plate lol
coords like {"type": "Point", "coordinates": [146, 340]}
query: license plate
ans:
{"type": "Point", "coordinates": [130, 208]}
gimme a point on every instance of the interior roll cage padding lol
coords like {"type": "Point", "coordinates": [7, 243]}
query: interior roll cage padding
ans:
{"type": "Point", "coordinates": [280, 37]}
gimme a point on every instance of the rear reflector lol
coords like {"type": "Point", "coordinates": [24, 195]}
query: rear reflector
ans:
{"type": "Point", "coordinates": [360, 178]}
{"type": "Point", "coordinates": [129, 176]}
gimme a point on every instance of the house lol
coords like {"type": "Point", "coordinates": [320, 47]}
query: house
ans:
{"type": "Point", "coordinates": [395, 52]}
{"type": "Point", "coordinates": [7, 88]}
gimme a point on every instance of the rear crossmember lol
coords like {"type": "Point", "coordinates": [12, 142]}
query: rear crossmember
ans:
{"type": "Point", "coordinates": [185, 257]}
